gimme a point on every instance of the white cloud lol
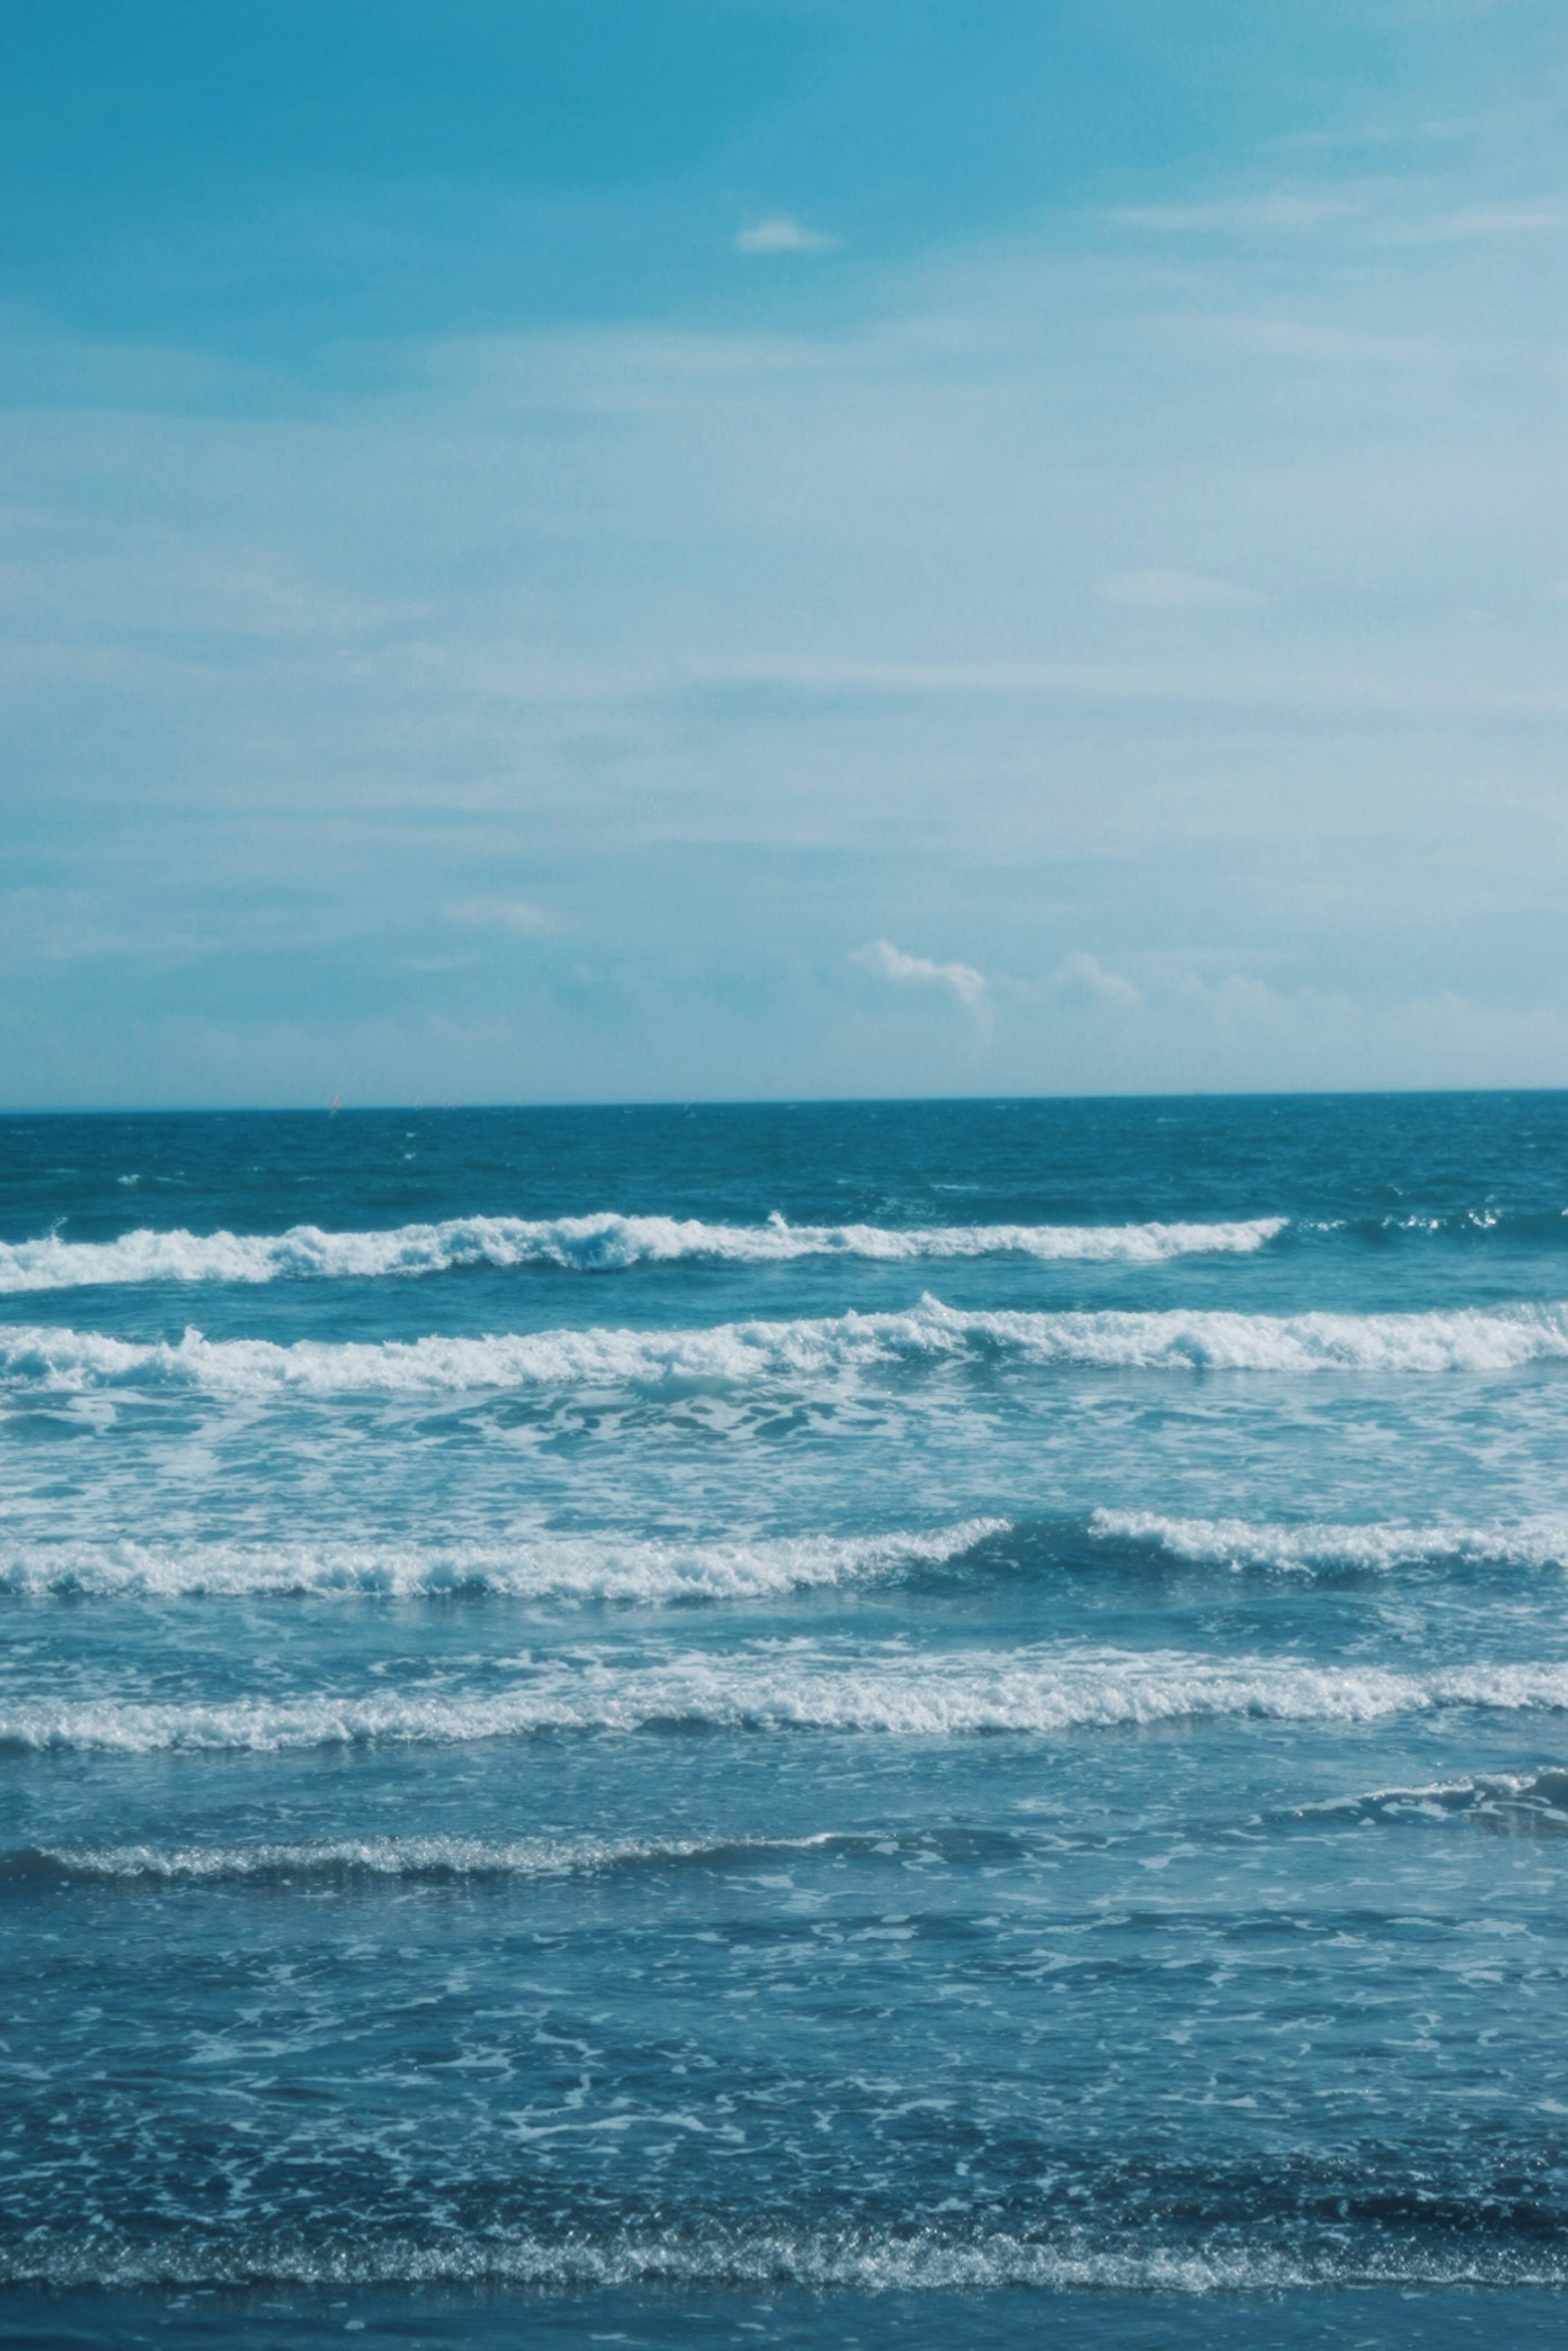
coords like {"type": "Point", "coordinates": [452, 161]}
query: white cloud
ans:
{"type": "Point", "coordinates": [1170, 591]}
{"type": "Point", "coordinates": [891, 962]}
{"type": "Point", "coordinates": [781, 233]}
{"type": "Point", "coordinates": [1083, 980]}
{"type": "Point", "coordinates": [515, 914]}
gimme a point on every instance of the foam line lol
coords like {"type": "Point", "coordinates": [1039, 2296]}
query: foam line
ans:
{"type": "Point", "coordinates": [594, 1243]}
{"type": "Point", "coordinates": [435, 1859]}
{"type": "Point", "coordinates": [1468, 1339]}
{"type": "Point", "coordinates": [580, 1567]}
{"type": "Point", "coordinates": [441, 1858]}
{"type": "Point", "coordinates": [865, 2260]}
{"type": "Point", "coordinates": [787, 1687]}
{"type": "Point", "coordinates": [1318, 1545]}
{"type": "Point", "coordinates": [1516, 1799]}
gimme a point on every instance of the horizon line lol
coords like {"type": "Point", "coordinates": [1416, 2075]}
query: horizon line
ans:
{"type": "Point", "coordinates": [690, 1104]}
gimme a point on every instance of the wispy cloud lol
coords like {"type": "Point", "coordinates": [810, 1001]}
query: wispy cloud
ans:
{"type": "Point", "coordinates": [1255, 684]}
{"type": "Point", "coordinates": [1253, 215]}
{"type": "Point", "coordinates": [1484, 221]}
{"type": "Point", "coordinates": [1324, 343]}
{"type": "Point", "coordinates": [515, 914]}
{"type": "Point", "coordinates": [780, 233]}
{"type": "Point", "coordinates": [1170, 591]}
{"type": "Point", "coordinates": [67, 926]}
{"type": "Point", "coordinates": [1083, 980]}
{"type": "Point", "coordinates": [889, 963]}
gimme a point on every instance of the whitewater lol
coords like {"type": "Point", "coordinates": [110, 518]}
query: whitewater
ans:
{"type": "Point", "coordinates": [1500, 1340]}
{"type": "Point", "coordinates": [894, 1722]}
{"type": "Point", "coordinates": [923, 1698]}
{"type": "Point", "coordinates": [598, 1243]}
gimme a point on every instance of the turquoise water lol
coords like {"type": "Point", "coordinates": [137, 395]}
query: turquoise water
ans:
{"type": "Point", "coordinates": [826, 1724]}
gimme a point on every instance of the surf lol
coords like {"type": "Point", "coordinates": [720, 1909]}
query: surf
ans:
{"type": "Point", "coordinates": [1021, 1691]}
{"type": "Point", "coordinates": [1469, 1339]}
{"type": "Point", "coordinates": [597, 1243]}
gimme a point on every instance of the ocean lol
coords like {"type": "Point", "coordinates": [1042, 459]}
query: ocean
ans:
{"type": "Point", "coordinates": [863, 1724]}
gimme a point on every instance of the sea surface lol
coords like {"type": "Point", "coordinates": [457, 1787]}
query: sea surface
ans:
{"type": "Point", "coordinates": [867, 1724]}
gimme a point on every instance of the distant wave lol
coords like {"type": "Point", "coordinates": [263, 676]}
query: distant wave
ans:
{"type": "Point", "coordinates": [1462, 1339]}
{"type": "Point", "coordinates": [1316, 1545]}
{"type": "Point", "coordinates": [572, 1567]}
{"type": "Point", "coordinates": [596, 1244]}
{"type": "Point", "coordinates": [1548, 1225]}
{"type": "Point", "coordinates": [785, 1689]}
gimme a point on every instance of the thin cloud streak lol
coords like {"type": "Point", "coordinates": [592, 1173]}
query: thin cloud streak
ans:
{"type": "Point", "coordinates": [781, 233]}
{"type": "Point", "coordinates": [1172, 592]}
{"type": "Point", "coordinates": [518, 915]}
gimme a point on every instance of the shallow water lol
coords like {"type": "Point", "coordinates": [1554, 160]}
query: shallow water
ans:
{"type": "Point", "coordinates": [823, 1724]}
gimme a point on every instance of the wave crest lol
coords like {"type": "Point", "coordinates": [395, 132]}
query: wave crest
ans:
{"type": "Point", "coordinates": [581, 1567]}
{"type": "Point", "coordinates": [763, 1691]}
{"type": "Point", "coordinates": [1469, 1339]}
{"type": "Point", "coordinates": [439, 1858]}
{"type": "Point", "coordinates": [1528, 1803]}
{"type": "Point", "coordinates": [1318, 1546]}
{"type": "Point", "coordinates": [603, 1243]}
{"type": "Point", "coordinates": [435, 1859]}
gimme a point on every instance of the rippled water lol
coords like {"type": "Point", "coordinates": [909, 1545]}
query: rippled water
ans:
{"type": "Point", "coordinates": [865, 1724]}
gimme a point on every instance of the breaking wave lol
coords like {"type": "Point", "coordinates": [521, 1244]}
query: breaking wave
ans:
{"type": "Point", "coordinates": [596, 1244]}
{"type": "Point", "coordinates": [1472, 1338]}
{"type": "Point", "coordinates": [539, 1565]}
{"type": "Point", "coordinates": [787, 1687]}
{"type": "Point", "coordinates": [858, 2260]}
{"type": "Point", "coordinates": [1529, 1802]}
{"type": "Point", "coordinates": [435, 1859]}
{"type": "Point", "coordinates": [571, 1567]}
{"type": "Point", "coordinates": [1318, 1546]}
{"type": "Point", "coordinates": [440, 1859]}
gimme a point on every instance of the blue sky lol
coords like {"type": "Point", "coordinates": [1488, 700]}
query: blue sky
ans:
{"type": "Point", "coordinates": [614, 550]}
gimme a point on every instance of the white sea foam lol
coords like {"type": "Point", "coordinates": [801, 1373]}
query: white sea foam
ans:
{"type": "Point", "coordinates": [1515, 1798]}
{"type": "Point", "coordinates": [571, 1567]}
{"type": "Point", "coordinates": [930, 2260]}
{"type": "Point", "coordinates": [593, 1244]}
{"type": "Point", "coordinates": [386, 1856]}
{"type": "Point", "coordinates": [441, 1857]}
{"type": "Point", "coordinates": [1316, 1545]}
{"type": "Point", "coordinates": [1468, 1339]}
{"type": "Point", "coordinates": [787, 1687]}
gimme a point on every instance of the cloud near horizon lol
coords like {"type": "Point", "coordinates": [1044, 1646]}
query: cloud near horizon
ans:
{"type": "Point", "coordinates": [888, 962]}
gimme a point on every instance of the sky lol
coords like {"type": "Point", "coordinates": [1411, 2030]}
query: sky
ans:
{"type": "Point", "coordinates": [640, 550]}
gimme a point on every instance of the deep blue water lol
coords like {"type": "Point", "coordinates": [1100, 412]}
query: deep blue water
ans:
{"type": "Point", "coordinates": [856, 1724]}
